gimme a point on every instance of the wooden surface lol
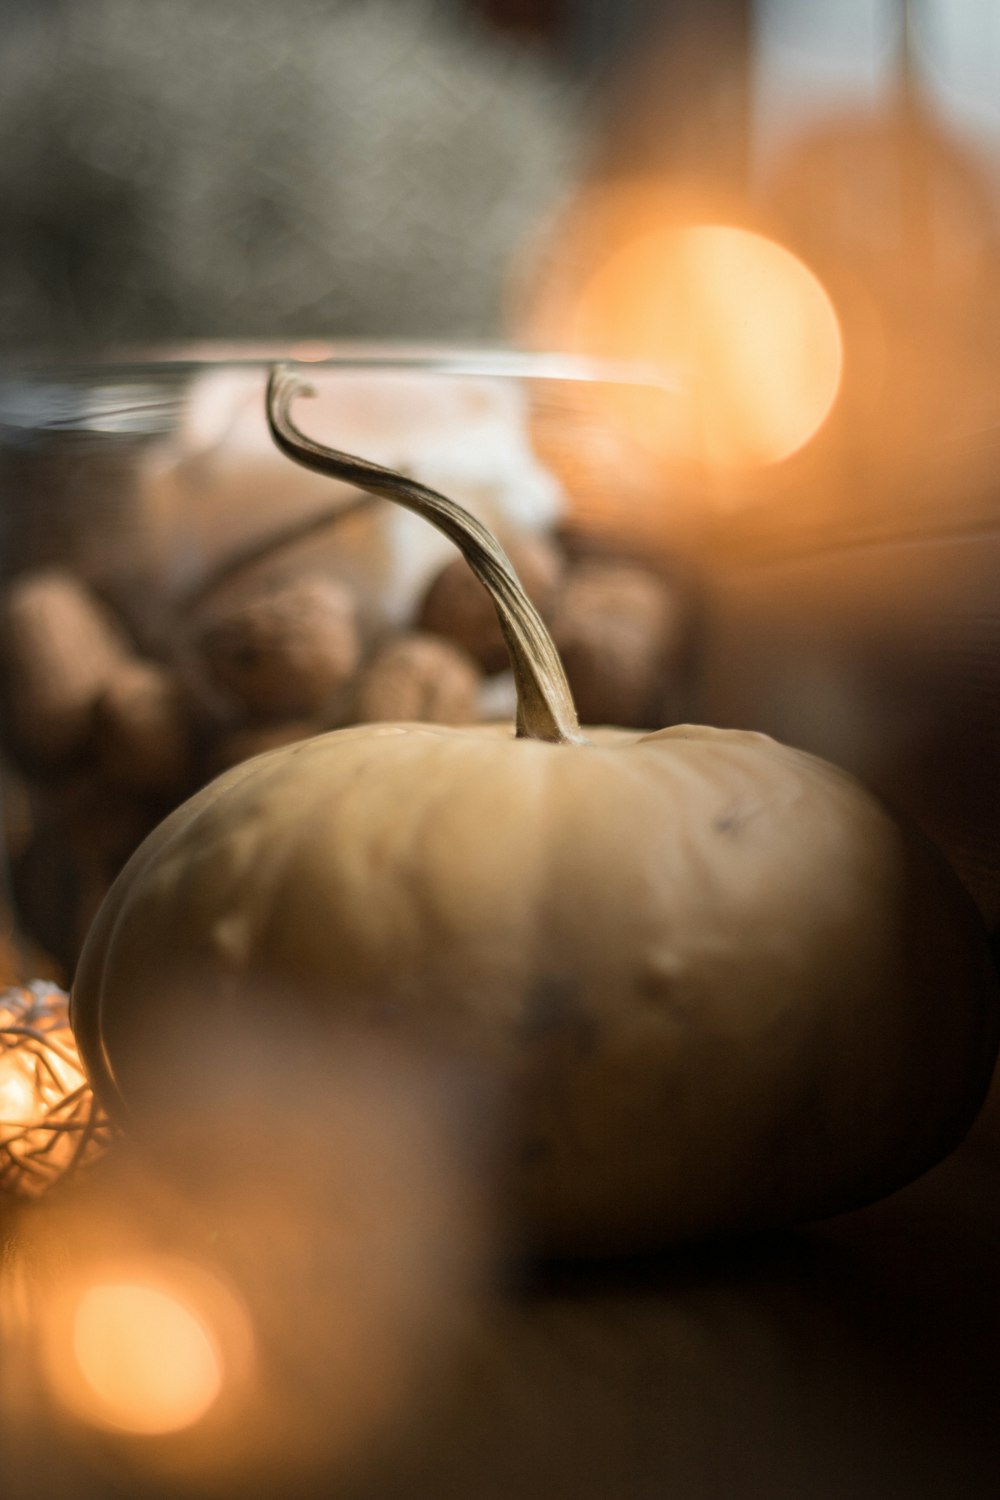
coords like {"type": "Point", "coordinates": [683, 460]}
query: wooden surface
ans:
{"type": "Point", "coordinates": [858, 1359]}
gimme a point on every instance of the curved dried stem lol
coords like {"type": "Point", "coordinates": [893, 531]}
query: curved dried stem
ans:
{"type": "Point", "coordinates": [545, 708]}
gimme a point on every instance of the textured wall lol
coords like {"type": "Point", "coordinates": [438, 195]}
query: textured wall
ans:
{"type": "Point", "coordinates": [192, 168]}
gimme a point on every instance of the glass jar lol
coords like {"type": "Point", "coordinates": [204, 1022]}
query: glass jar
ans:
{"type": "Point", "coordinates": [177, 595]}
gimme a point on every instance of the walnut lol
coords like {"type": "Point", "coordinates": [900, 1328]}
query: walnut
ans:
{"type": "Point", "coordinates": [284, 652]}
{"type": "Point", "coordinates": [60, 648]}
{"type": "Point", "coordinates": [418, 677]}
{"type": "Point", "coordinates": [458, 607]}
{"type": "Point", "coordinates": [619, 628]}
{"type": "Point", "coordinates": [141, 727]}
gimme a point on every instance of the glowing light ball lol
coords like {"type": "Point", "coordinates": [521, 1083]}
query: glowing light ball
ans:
{"type": "Point", "coordinates": [50, 1122]}
{"type": "Point", "coordinates": [746, 326]}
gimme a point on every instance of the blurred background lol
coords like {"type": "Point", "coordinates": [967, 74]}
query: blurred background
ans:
{"type": "Point", "coordinates": [527, 170]}
{"type": "Point", "coordinates": [182, 169]}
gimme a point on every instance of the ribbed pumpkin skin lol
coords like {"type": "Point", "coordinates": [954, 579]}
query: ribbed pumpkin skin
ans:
{"type": "Point", "coordinates": [721, 987]}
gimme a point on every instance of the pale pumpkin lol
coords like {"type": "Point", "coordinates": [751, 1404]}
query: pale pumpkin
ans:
{"type": "Point", "coordinates": [720, 986]}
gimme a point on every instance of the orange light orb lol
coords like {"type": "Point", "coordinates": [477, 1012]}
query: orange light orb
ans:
{"type": "Point", "coordinates": [745, 324]}
{"type": "Point", "coordinates": [145, 1358]}
{"type": "Point", "coordinates": [146, 1350]}
{"type": "Point", "coordinates": [748, 323]}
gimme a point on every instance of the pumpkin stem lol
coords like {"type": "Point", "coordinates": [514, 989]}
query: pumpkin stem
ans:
{"type": "Point", "coordinates": [545, 708]}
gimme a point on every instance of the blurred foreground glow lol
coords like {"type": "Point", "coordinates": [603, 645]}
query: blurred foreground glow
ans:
{"type": "Point", "coordinates": [274, 1270]}
{"type": "Point", "coordinates": [749, 324]}
{"type": "Point", "coordinates": [144, 1357]}
{"type": "Point", "coordinates": [146, 1348]}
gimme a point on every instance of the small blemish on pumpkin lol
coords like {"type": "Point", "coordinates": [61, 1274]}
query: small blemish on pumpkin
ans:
{"type": "Point", "coordinates": [728, 822]}
{"type": "Point", "coordinates": [553, 1016]}
{"type": "Point", "coordinates": [734, 818]}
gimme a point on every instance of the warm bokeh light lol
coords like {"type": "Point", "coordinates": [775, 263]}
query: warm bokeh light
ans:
{"type": "Point", "coordinates": [146, 1346]}
{"type": "Point", "coordinates": [749, 325]}
{"type": "Point", "coordinates": [145, 1359]}
{"type": "Point", "coordinates": [748, 328]}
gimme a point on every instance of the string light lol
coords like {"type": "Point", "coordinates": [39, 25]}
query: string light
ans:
{"type": "Point", "coordinates": [50, 1121]}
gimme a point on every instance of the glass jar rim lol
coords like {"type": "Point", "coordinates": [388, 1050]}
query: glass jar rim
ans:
{"type": "Point", "coordinates": [451, 357]}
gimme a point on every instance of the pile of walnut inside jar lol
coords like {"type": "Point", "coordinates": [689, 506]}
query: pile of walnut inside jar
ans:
{"type": "Point", "coordinates": [103, 736]}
